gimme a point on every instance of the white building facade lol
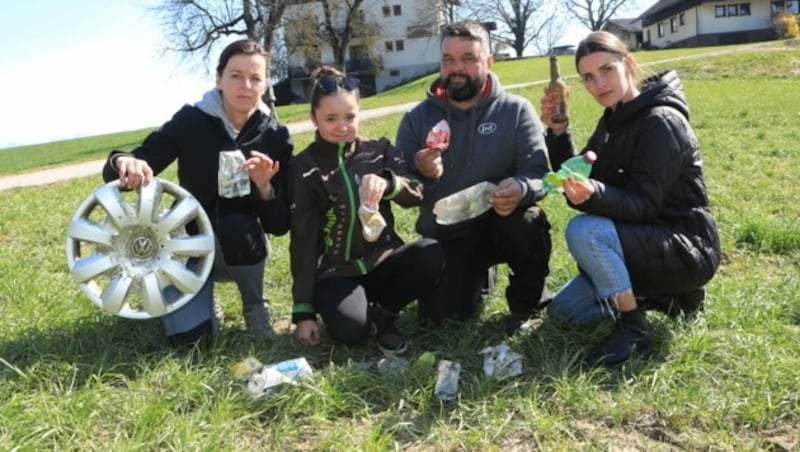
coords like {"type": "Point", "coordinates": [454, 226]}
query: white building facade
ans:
{"type": "Point", "coordinates": [693, 23]}
{"type": "Point", "coordinates": [408, 46]}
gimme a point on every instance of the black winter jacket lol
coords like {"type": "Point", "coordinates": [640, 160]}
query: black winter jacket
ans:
{"type": "Point", "coordinates": [648, 179]}
{"type": "Point", "coordinates": [326, 237]}
{"type": "Point", "coordinates": [195, 139]}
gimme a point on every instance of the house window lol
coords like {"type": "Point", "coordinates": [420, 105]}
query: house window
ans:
{"type": "Point", "coordinates": [387, 11]}
{"type": "Point", "coordinates": [394, 72]}
{"type": "Point", "coordinates": [719, 11]}
{"type": "Point", "coordinates": [733, 10]}
{"type": "Point", "coordinates": [399, 45]}
{"type": "Point", "coordinates": [793, 6]}
{"type": "Point", "coordinates": [744, 9]}
{"type": "Point", "coordinates": [398, 10]}
{"type": "Point", "coordinates": [682, 19]}
{"type": "Point", "coordinates": [660, 29]}
{"type": "Point", "coordinates": [389, 46]}
{"type": "Point", "coordinates": [673, 25]}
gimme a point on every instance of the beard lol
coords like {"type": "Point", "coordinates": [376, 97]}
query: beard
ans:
{"type": "Point", "coordinates": [470, 88]}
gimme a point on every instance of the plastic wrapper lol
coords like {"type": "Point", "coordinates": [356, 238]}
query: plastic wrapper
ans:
{"type": "Point", "coordinates": [465, 204]}
{"type": "Point", "coordinates": [447, 376]}
{"type": "Point", "coordinates": [233, 180]}
{"type": "Point", "coordinates": [439, 136]}
{"type": "Point", "coordinates": [372, 223]}
{"type": "Point", "coordinates": [500, 361]}
{"type": "Point", "coordinates": [269, 377]}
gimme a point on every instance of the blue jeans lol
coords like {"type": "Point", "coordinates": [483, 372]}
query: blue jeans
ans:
{"type": "Point", "coordinates": [594, 243]}
{"type": "Point", "coordinates": [248, 278]}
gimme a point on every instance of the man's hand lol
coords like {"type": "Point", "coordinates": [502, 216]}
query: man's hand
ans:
{"type": "Point", "coordinates": [507, 197]}
{"type": "Point", "coordinates": [133, 172]}
{"type": "Point", "coordinates": [307, 332]}
{"type": "Point", "coordinates": [429, 162]}
{"type": "Point", "coordinates": [262, 169]}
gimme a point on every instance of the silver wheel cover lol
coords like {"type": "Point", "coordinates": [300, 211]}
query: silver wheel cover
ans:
{"type": "Point", "coordinates": [129, 251]}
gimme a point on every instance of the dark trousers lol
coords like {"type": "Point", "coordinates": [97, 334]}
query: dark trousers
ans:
{"type": "Point", "coordinates": [407, 274]}
{"type": "Point", "coordinates": [521, 240]}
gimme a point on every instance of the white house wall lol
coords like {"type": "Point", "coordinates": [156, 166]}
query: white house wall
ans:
{"type": "Point", "coordinates": [758, 19]}
{"type": "Point", "coordinates": [419, 56]}
{"type": "Point", "coordinates": [701, 20]}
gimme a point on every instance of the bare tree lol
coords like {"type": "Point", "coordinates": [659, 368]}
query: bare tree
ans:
{"type": "Point", "coordinates": [519, 21]}
{"type": "Point", "coordinates": [552, 31]}
{"type": "Point", "coordinates": [594, 14]}
{"type": "Point", "coordinates": [194, 27]}
{"type": "Point", "coordinates": [342, 27]}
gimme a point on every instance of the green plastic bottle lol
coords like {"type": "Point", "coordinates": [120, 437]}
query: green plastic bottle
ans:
{"type": "Point", "coordinates": [578, 167]}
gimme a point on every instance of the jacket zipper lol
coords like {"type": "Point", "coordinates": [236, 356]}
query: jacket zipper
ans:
{"type": "Point", "coordinates": [352, 200]}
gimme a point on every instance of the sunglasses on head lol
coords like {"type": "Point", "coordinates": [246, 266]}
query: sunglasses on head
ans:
{"type": "Point", "coordinates": [328, 83]}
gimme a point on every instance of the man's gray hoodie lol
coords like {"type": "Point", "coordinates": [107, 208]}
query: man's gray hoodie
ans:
{"type": "Point", "coordinates": [499, 137]}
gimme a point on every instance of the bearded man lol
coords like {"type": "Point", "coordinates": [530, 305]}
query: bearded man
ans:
{"type": "Point", "coordinates": [495, 136]}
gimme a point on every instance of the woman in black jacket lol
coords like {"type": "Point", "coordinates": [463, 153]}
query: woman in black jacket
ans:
{"type": "Point", "coordinates": [645, 237]}
{"type": "Point", "coordinates": [229, 117]}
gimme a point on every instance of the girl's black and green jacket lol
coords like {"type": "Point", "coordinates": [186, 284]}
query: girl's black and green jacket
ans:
{"type": "Point", "coordinates": [326, 233]}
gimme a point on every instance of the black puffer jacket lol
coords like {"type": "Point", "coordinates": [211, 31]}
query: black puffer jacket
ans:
{"type": "Point", "coordinates": [648, 178]}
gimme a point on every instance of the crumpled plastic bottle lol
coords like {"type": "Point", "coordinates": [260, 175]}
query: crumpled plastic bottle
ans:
{"type": "Point", "coordinates": [579, 167]}
{"type": "Point", "coordinates": [465, 204]}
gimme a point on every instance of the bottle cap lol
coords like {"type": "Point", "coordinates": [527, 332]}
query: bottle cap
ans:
{"type": "Point", "coordinates": [589, 157]}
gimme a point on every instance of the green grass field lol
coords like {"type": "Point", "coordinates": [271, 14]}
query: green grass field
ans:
{"type": "Point", "coordinates": [75, 378]}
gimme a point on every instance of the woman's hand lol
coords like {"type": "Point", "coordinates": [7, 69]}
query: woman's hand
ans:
{"type": "Point", "coordinates": [133, 172]}
{"type": "Point", "coordinates": [262, 169]}
{"type": "Point", "coordinates": [547, 108]}
{"type": "Point", "coordinates": [372, 189]}
{"type": "Point", "coordinates": [307, 332]}
{"type": "Point", "coordinates": [577, 192]}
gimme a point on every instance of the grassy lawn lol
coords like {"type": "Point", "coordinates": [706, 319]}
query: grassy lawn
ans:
{"type": "Point", "coordinates": [72, 377]}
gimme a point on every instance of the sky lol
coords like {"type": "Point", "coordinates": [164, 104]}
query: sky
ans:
{"type": "Point", "coordinates": [87, 67]}
{"type": "Point", "coordinates": [75, 68]}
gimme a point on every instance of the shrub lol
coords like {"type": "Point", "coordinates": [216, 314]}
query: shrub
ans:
{"type": "Point", "coordinates": [786, 25]}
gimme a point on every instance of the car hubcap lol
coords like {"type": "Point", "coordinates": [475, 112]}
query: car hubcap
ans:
{"type": "Point", "coordinates": [130, 252]}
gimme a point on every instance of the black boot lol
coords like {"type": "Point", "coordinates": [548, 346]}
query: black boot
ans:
{"type": "Point", "coordinates": [388, 336]}
{"type": "Point", "coordinates": [687, 304]}
{"type": "Point", "coordinates": [631, 335]}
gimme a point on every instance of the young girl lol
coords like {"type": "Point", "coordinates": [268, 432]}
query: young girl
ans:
{"type": "Point", "coordinates": [646, 229]}
{"type": "Point", "coordinates": [345, 268]}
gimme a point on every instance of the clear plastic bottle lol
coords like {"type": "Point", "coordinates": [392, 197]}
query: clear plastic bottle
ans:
{"type": "Point", "coordinates": [579, 167]}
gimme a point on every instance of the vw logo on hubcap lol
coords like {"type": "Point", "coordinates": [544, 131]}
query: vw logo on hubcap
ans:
{"type": "Point", "coordinates": [141, 247]}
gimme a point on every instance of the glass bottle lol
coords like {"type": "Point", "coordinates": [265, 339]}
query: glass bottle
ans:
{"type": "Point", "coordinates": [559, 87]}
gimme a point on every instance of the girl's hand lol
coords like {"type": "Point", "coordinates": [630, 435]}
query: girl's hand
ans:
{"type": "Point", "coordinates": [262, 169]}
{"type": "Point", "coordinates": [372, 189]}
{"type": "Point", "coordinates": [577, 192]}
{"type": "Point", "coordinates": [548, 107]}
{"type": "Point", "coordinates": [133, 172]}
{"type": "Point", "coordinates": [307, 332]}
